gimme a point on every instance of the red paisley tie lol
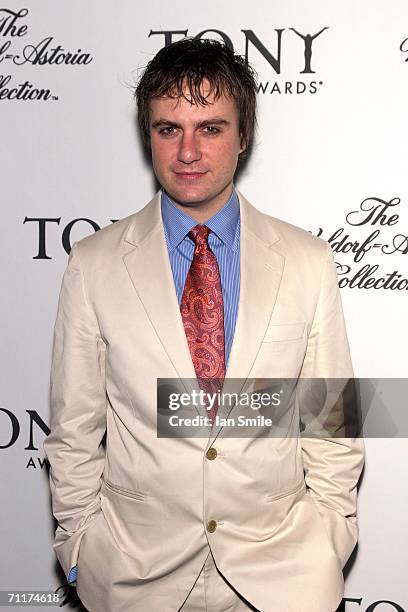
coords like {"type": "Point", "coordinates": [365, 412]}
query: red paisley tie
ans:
{"type": "Point", "coordinates": [202, 311]}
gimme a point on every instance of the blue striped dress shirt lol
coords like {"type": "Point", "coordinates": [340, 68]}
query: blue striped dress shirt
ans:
{"type": "Point", "coordinates": [224, 243]}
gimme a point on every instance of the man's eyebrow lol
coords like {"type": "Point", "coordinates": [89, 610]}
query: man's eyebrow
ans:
{"type": "Point", "coordinates": [213, 121]}
{"type": "Point", "coordinates": [162, 122]}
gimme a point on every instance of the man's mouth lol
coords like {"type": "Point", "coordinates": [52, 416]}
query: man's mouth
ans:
{"type": "Point", "coordinates": [190, 176]}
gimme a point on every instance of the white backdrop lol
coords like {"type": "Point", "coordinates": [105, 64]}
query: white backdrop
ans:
{"type": "Point", "coordinates": [331, 147]}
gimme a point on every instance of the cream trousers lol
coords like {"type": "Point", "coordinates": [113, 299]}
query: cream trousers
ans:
{"type": "Point", "coordinates": [212, 593]}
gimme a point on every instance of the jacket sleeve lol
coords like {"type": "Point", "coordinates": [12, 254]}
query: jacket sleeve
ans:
{"type": "Point", "coordinates": [78, 406]}
{"type": "Point", "coordinates": [332, 452]}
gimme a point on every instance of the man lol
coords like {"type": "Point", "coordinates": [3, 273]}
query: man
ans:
{"type": "Point", "coordinates": [197, 285]}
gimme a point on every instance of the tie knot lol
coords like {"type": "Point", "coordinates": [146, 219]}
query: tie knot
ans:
{"type": "Point", "coordinates": [199, 235]}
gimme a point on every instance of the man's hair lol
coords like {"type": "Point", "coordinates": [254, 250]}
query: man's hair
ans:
{"type": "Point", "coordinates": [182, 66]}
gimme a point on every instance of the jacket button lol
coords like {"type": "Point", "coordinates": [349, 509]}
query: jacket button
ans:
{"type": "Point", "coordinates": [211, 453]}
{"type": "Point", "coordinates": [211, 526]}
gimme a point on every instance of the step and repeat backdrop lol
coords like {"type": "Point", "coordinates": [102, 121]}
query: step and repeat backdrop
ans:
{"type": "Point", "coordinates": [330, 156]}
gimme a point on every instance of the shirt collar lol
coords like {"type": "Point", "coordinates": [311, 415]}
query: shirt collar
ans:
{"type": "Point", "coordinates": [177, 224]}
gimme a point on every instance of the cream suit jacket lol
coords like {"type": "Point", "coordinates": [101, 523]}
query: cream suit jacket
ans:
{"type": "Point", "coordinates": [134, 515]}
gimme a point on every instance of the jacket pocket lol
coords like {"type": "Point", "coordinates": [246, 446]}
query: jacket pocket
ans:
{"type": "Point", "coordinates": [115, 488]}
{"type": "Point", "coordinates": [286, 492]}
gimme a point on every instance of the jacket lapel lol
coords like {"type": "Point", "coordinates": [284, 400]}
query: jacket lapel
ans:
{"type": "Point", "coordinates": [261, 274]}
{"type": "Point", "coordinates": [149, 269]}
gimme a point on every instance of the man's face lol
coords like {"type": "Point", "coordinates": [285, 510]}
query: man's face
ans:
{"type": "Point", "coordinates": [195, 149]}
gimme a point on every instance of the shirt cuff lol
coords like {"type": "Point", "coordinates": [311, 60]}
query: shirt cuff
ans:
{"type": "Point", "coordinates": [72, 577]}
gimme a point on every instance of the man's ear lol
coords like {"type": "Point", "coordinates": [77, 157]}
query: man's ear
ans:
{"type": "Point", "coordinates": [243, 144]}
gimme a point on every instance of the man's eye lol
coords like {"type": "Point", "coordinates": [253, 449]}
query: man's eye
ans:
{"type": "Point", "coordinates": [210, 129]}
{"type": "Point", "coordinates": [167, 130]}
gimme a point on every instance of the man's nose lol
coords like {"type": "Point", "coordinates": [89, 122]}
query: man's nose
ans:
{"type": "Point", "coordinates": [189, 150]}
